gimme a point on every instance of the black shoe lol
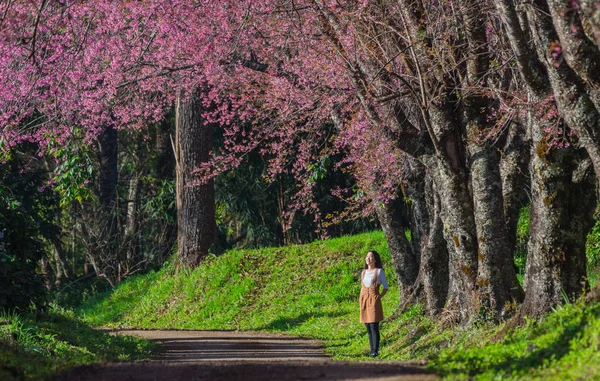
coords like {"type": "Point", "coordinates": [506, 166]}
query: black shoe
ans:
{"type": "Point", "coordinates": [374, 354]}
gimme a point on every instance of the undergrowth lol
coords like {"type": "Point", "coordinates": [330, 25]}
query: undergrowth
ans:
{"type": "Point", "coordinates": [33, 349]}
{"type": "Point", "coordinates": [312, 290]}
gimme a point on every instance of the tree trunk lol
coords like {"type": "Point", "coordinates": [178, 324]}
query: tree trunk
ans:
{"type": "Point", "coordinates": [392, 218]}
{"type": "Point", "coordinates": [195, 203]}
{"type": "Point", "coordinates": [428, 241]}
{"type": "Point", "coordinates": [497, 285]}
{"type": "Point", "coordinates": [104, 250]}
{"type": "Point", "coordinates": [46, 272]}
{"type": "Point", "coordinates": [282, 219]}
{"type": "Point", "coordinates": [498, 289]}
{"type": "Point", "coordinates": [573, 86]}
{"type": "Point", "coordinates": [107, 181]}
{"type": "Point", "coordinates": [132, 231]}
{"type": "Point", "coordinates": [514, 169]}
{"type": "Point", "coordinates": [62, 270]}
{"type": "Point", "coordinates": [580, 53]}
{"type": "Point", "coordinates": [591, 19]}
{"type": "Point", "coordinates": [561, 215]}
{"type": "Point", "coordinates": [460, 235]}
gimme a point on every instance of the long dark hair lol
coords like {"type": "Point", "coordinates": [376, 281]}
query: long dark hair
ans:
{"type": "Point", "coordinates": [378, 263]}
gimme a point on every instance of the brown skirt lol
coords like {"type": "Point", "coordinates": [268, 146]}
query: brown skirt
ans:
{"type": "Point", "coordinates": [371, 310]}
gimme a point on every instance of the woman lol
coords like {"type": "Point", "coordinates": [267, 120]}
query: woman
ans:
{"type": "Point", "coordinates": [371, 310]}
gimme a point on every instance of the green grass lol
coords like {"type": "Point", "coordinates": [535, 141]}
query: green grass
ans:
{"type": "Point", "coordinates": [32, 349]}
{"type": "Point", "coordinates": [307, 290]}
{"type": "Point", "coordinates": [562, 347]}
{"type": "Point", "coordinates": [312, 290]}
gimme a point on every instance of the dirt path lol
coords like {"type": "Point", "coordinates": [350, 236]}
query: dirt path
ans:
{"type": "Point", "coordinates": [248, 356]}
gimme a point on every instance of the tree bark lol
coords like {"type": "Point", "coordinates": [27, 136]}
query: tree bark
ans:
{"type": "Point", "coordinates": [392, 218]}
{"type": "Point", "coordinates": [460, 235]}
{"type": "Point", "coordinates": [530, 67]}
{"type": "Point", "coordinates": [579, 52]}
{"type": "Point", "coordinates": [428, 240]}
{"type": "Point", "coordinates": [591, 19]}
{"type": "Point", "coordinates": [104, 250]}
{"type": "Point", "coordinates": [132, 231]}
{"type": "Point", "coordinates": [497, 286]}
{"type": "Point", "coordinates": [498, 289]}
{"type": "Point", "coordinates": [46, 272]}
{"type": "Point", "coordinates": [572, 95]}
{"type": "Point", "coordinates": [563, 201]}
{"type": "Point", "coordinates": [514, 170]}
{"type": "Point", "coordinates": [195, 203]}
{"type": "Point", "coordinates": [561, 209]}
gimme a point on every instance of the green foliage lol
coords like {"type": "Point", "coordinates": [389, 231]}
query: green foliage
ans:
{"type": "Point", "coordinates": [311, 290]}
{"type": "Point", "coordinates": [72, 174]}
{"type": "Point", "coordinates": [521, 242]}
{"type": "Point", "coordinates": [31, 349]}
{"type": "Point", "coordinates": [161, 201]}
{"type": "Point", "coordinates": [73, 294]}
{"type": "Point", "coordinates": [318, 170]}
{"type": "Point", "coordinates": [26, 215]}
{"type": "Point", "coordinates": [255, 217]}
{"type": "Point", "coordinates": [593, 246]}
{"type": "Point", "coordinates": [250, 218]}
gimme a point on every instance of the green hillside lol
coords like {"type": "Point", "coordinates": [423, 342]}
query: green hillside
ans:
{"type": "Point", "coordinates": [308, 289]}
{"type": "Point", "coordinates": [312, 290]}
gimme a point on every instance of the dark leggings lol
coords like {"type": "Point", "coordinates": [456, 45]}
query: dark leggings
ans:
{"type": "Point", "coordinates": [373, 330]}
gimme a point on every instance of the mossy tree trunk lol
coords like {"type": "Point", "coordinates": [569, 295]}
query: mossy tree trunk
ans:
{"type": "Point", "coordinates": [562, 206]}
{"type": "Point", "coordinates": [393, 220]}
{"type": "Point", "coordinates": [428, 241]}
{"type": "Point", "coordinates": [514, 170]}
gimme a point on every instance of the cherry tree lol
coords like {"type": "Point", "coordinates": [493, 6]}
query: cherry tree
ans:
{"type": "Point", "coordinates": [556, 52]}
{"type": "Point", "coordinates": [422, 97]}
{"type": "Point", "coordinates": [435, 78]}
{"type": "Point", "coordinates": [284, 66]}
{"type": "Point", "coordinates": [99, 67]}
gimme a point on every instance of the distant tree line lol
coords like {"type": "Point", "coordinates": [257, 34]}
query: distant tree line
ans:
{"type": "Point", "coordinates": [92, 214]}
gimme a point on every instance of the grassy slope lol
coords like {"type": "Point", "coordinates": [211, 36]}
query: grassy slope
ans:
{"type": "Point", "coordinates": [36, 350]}
{"type": "Point", "coordinates": [312, 291]}
{"type": "Point", "coordinates": [308, 290]}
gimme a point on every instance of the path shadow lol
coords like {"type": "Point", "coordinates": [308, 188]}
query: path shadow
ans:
{"type": "Point", "coordinates": [288, 323]}
{"type": "Point", "coordinates": [198, 346]}
{"type": "Point", "coordinates": [246, 372]}
{"type": "Point", "coordinates": [252, 349]}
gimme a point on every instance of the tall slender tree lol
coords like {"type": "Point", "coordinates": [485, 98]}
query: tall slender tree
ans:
{"type": "Point", "coordinates": [195, 203]}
